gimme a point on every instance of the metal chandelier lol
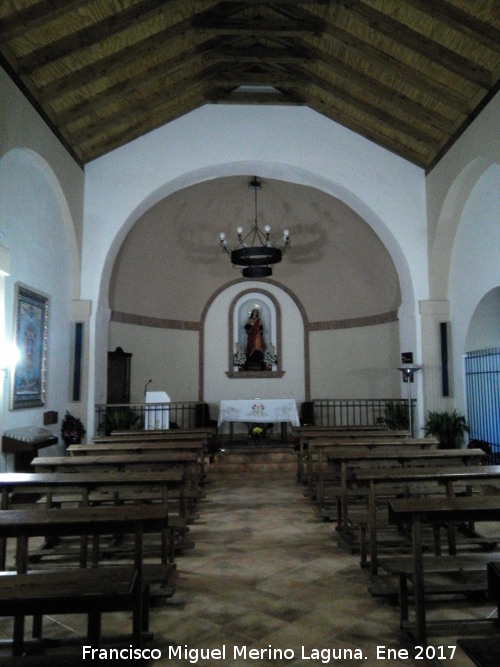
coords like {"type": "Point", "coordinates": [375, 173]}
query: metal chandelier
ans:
{"type": "Point", "coordinates": [255, 254]}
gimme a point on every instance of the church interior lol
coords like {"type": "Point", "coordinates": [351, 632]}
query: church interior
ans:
{"type": "Point", "coordinates": [249, 260]}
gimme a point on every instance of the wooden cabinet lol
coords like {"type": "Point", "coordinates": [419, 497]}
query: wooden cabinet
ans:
{"type": "Point", "coordinates": [118, 376]}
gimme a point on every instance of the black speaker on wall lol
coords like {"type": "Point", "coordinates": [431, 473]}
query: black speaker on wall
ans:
{"type": "Point", "coordinates": [445, 380]}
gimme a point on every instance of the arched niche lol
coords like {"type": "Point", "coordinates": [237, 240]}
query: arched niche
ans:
{"type": "Point", "coordinates": [269, 311]}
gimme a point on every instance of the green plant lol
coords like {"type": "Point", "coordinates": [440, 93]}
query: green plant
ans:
{"type": "Point", "coordinates": [448, 428]}
{"type": "Point", "coordinates": [121, 419]}
{"type": "Point", "coordinates": [395, 417]}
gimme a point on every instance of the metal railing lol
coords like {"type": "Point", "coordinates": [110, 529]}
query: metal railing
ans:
{"type": "Point", "coordinates": [482, 385]}
{"type": "Point", "coordinates": [149, 416]}
{"type": "Point", "coordinates": [363, 412]}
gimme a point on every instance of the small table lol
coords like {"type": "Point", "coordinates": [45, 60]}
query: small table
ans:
{"type": "Point", "coordinates": [259, 411]}
{"type": "Point", "coordinates": [24, 443]}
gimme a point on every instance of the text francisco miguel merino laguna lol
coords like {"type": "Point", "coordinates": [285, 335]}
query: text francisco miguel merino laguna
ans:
{"type": "Point", "coordinates": [194, 655]}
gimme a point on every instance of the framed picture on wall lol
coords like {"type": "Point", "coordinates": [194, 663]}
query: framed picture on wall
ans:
{"type": "Point", "coordinates": [30, 337]}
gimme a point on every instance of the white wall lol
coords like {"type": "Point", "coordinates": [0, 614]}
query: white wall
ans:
{"type": "Point", "coordinates": [356, 363]}
{"type": "Point", "coordinates": [41, 214]}
{"type": "Point", "coordinates": [168, 357]}
{"type": "Point", "coordinates": [40, 259]}
{"type": "Point", "coordinates": [22, 127]}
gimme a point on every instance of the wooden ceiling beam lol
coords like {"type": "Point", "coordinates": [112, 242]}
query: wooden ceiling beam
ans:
{"type": "Point", "coordinates": [425, 83]}
{"type": "Point", "coordinates": [118, 64]}
{"type": "Point", "coordinates": [260, 27]}
{"type": "Point", "coordinates": [240, 77]}
{"type": "Point", "coordinates": [140, 106]}
{"type": "Point", "coordinates": [378, 113]}
{"type": "Point", "coordinates": [411, 39]}
{"type": "Point", "coordinates": [34, 16]}
{"type": "Point", "coordinates": [99, 31]}
{"type": "Point", "coordinates": [144, 80]}
{"type": "Point", "coordinates": [461, 21]}
{"type": "Point", "coordinates": [259, 54]}
{"type": "Point", "coordinates": [410, 106]}
{"type": "Point", "coordinates": [232, 96]}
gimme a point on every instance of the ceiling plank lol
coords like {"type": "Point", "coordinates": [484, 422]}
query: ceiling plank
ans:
{"type": "Point", "coordinates": [422, 81]}
{"type": "Point", "coordinates": [406, 36]}
{"type": "Point", "coordinates": [460, 20]}
{"type": "Point", "coordinates": [33, 16]}
{"type": "Point", "coordinates": [377, 87]}
{"type": "Point", "coordinates": [99, 31]}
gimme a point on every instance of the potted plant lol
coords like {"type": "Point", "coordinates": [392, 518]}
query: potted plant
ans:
{"type": "Point", "coordinates": [448, 428]}
{"type": "Point", "coordinates": [395, 417]}
{"type": "Point", "coordinates": [72, 429]}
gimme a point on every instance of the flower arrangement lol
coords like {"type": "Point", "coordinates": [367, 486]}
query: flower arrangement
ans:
{"type": "Point", "coordinates": [72, 429]}
{"type": "Point", "coordinates": [239, 357]}
{"type": "Point", "coordinates": [256, 432]}
{"type": "Point", "coordinates": [270, 356]}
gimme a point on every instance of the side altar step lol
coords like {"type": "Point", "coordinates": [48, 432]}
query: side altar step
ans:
{"type": "Point", "coordinates": [251, 457]}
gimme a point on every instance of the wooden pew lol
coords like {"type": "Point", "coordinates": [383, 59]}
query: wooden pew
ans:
{"type": "Point", "coordinates": [87, 488]}
{"type": "Point", "coordinates": [318, 456]}
{"type": "Point", "coordinates": [115, 462]}
{"type": "Point", "coordinates": [387, 480]}
{"type": "Point", "coordinates": [484, 650]}
{"type": "Point", "coordinates": [345, 460]}
{"type": "Point", "coordinates": [204, 435]}
{"type": "Point", "coordinates": [152, 461]}
{"type": "Point", "coordinates": [419, 511]}
{"type": "Point", "coordinates": [142, 446]}
{"type": "Point", "coordinates": [309, 434]}
{"type": "Point", "coordinates": [47, 594]}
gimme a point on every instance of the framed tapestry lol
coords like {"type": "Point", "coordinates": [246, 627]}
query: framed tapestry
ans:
{"type": "Point", "coordinates": [30, 337]}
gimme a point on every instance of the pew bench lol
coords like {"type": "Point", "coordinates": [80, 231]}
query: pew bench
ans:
{"type": "Point", "coordinates": [464, 575]}
{"type": "Point", "coordinates": [419, 482]}
{"type": "Point", "coordinates": [484, 651]}
{"type": "Point", "coordinates": [308, 436]}
{"type": "Point", "coordinates": [89, 591]}
{"type": "Point", "coordinates": [79, 487]}
{"type": "Point", "coordinates": [415, 512]}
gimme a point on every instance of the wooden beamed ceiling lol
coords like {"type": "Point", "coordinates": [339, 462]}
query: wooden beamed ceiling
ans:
{"type": "Point", "coordinates": [409, 75]}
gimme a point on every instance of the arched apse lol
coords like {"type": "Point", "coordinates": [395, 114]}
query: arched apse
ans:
{"type": "Point", "coordinates": [286, 174]}
{"type": "Point", "coordinates": [292, 176]}
{"type": "Point", "coordinates": [474, 268]}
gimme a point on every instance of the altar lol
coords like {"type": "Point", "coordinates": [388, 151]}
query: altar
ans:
{"type": "Point", "coordinates": [260, 411]}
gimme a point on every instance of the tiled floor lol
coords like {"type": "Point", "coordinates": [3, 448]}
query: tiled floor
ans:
{"type": "Point", "coordinates": [267, 574]}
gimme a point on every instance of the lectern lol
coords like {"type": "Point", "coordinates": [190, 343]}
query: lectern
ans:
{"type": "Point", "coordinates": [157, 410]}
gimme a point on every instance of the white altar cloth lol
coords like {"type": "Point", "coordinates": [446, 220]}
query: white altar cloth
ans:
{"type": "Point", "coordinates": [263, 410]}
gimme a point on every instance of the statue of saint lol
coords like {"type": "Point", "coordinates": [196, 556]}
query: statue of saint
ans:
{"type": "Point", "coordinates": [255, 342]}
